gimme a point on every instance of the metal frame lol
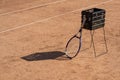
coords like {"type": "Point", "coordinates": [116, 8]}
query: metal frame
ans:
{"type": "Point", "coordinates": [92, 41]}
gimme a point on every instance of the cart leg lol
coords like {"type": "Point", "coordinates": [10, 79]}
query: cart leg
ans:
{"type": "Point", "coordinates": [105, 40]}
{"type": "Point", "coordinates": [92, 34]}
{"type": "Point", "coordinates": [92, 42]}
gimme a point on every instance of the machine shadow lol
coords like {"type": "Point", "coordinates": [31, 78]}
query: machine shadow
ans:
{"type": "Point", "coordinates": [56, 55]}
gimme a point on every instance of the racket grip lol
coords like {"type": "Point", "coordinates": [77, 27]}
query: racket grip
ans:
{"type": "Point", "coordinates": [80, 30]}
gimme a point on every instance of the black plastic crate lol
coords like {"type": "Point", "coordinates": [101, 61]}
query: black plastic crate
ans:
{"type": "Point", "coordinates": [95, 18]}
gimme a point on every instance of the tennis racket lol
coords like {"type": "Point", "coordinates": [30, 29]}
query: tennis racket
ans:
{"type": "Point", "coordinates": [74, 43]}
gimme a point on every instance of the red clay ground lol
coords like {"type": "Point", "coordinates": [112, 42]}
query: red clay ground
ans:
{"type": "Point", "coordinates": [51, 36]}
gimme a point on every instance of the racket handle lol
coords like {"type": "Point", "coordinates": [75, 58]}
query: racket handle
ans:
{"type": "Point", "coordinates": [80, 29]}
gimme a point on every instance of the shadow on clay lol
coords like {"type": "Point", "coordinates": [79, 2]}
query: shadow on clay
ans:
{"type": "Point", "coordinates": [54, 55]}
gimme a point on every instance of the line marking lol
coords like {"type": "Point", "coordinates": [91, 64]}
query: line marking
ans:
{"type": "Point", "coordinates": [30, 8]}
{"type": "Point", "coordinates": [18, 27]}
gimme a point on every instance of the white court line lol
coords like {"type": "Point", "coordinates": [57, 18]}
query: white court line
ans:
{"type": "Point", "coordinates": [18, 27]}
{"type": "Point", "coordinates": [25, 9]}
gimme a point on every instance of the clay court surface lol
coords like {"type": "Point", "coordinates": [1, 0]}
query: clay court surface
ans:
{"type": "Point", "coordinates": [33, 35]}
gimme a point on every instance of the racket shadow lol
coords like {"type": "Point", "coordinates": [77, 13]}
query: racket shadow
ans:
{"type": "Point", "coordinates": [55, 55]}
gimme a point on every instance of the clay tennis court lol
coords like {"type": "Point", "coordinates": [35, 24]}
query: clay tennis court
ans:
{"type": "Point", "coordinates": [33, 35]}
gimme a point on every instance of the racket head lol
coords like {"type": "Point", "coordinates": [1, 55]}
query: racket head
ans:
{"type": "Point", "coordinates": [73, 47]}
